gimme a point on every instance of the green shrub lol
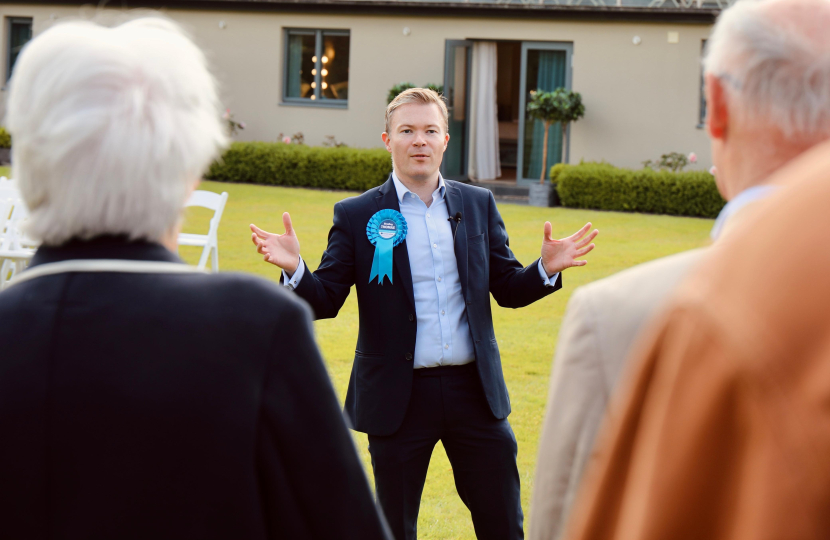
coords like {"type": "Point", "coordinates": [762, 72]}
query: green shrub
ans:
{"type": "Point", "coordinates": [5, 138]}
{"type": "Point", "coordinates": [553, 198]}
{"type": "Point", "coordinates": [605, 187]}
{"type": "Point", "coordinates": [281, 164]}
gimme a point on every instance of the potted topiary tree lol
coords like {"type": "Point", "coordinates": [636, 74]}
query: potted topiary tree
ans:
{"type": "Point", "coordinates": [563, 106]}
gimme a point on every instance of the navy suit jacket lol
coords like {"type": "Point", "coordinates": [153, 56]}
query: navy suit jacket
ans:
{"type": "Point", "coordinates": [169, 406]}
{"type": "Point", "coordinates": [381, 379]}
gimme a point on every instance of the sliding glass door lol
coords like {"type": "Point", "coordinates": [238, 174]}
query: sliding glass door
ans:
{"type": "Point", "coordinates": [545, 66]}
{"type": "Point", "coordinates": [457, 65]}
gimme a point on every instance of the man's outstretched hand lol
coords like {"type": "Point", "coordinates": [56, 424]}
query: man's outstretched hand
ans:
{"type": "Point", "coordinates": [557, 255]}
{"type": "Point", "coordinates": [282, 250]}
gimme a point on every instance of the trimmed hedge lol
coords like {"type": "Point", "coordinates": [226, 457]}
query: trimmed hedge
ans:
{"type": "Point", "coordinates": [5, 138]}
{"type": "Point", "coordinates": [280, 164]}
{"type": "Point", "coordinates": [604, 187]}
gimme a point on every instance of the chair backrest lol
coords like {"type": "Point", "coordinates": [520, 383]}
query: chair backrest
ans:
{"type": "Point", "coordinates": [8, 188]}
{"type": "Point", "coordinates": [205, 199]}
{"type": "Point", "coordinates": [212, 201]}
{"type": "Point", "coordinates": [13, 213]}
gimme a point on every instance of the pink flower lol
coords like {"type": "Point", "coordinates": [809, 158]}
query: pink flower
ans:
{"type": "Point", "coordinates": [713, 171]}
{"type": "Point", "coordinates": [692, 158]}
{"type": "Point", "coordinates": [227, 114]}
{"type": "Point", "coordinates": [241, 125]}
{"type": "Point", "coordinates": [286, 139]}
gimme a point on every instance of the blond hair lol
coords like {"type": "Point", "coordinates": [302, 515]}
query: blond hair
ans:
{"type": "Point", "coordinates": [418, 95]}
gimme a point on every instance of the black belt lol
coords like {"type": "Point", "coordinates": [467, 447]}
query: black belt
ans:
{"type": "Point", "coordinates": [439, 371]}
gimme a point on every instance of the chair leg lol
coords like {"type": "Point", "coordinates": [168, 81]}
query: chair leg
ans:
{"type": "Point", "coordinates": [6, 272]}
{"type": "Point", "coordinates": [214, 266]}
{"type": "Point", "coordinates": [204, 258]}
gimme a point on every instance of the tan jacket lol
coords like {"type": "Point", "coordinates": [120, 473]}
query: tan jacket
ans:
{"type": "Point", "coordinates": [601, 322]}
{"type": "Point", "coordinates": [724, 429]}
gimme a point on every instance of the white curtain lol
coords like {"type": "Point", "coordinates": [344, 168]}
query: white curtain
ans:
{"type": "Point", "coordinates": [484, 123]}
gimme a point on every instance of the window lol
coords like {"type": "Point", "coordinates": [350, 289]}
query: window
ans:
{"type": "Point", "coordinates": [19, 32]}
{"type": "Point", "coordinates": [316, 67]}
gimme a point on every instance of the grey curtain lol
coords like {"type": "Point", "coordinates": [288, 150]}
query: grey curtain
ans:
{"type": "Point", "coordinates": [295, 64]}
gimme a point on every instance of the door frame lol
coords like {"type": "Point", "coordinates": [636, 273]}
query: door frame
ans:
{"type": "Point", "coordinates": [568, 47]}
{"type": "Point", "coordinates": [449, 45]}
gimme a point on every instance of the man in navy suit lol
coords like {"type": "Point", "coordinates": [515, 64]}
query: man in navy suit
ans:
{"type": "Point", "coordinates": [427, 366]}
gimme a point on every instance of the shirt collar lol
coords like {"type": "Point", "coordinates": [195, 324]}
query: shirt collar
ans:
{"type": "Point", "coordinates": [743, 198]}
{"type": "Point", "coordinates": [402, 190]}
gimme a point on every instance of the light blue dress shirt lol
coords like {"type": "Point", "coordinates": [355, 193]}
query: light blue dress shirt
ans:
{"type": "Point", "coordinates": [443, 334]}
{"type": "Point", "coordinates": [731, 208]}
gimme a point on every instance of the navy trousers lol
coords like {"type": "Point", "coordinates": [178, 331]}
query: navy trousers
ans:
{"type": "Point", "coordinates": [448, 404]}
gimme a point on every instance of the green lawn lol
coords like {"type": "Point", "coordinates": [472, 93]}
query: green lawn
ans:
{"type": "Point", "coordinates": [527, 337]}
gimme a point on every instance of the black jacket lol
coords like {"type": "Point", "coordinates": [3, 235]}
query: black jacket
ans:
{"type": "Point", "coordinates": [381, 378]}
{"type": "Point", "coordinates": [181, 406]}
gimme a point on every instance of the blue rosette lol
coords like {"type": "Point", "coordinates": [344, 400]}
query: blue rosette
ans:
{"type": "Point", "coordinates": [385, 230]}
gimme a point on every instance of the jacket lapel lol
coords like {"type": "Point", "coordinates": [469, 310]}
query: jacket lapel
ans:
{"type": "Point", "coordinates": [388, 199]}
{"type": "Point", "coordinates": [455, 203]}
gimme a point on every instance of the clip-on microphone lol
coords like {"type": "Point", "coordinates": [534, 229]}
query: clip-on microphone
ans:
{"type": "Point", "coordinates": [457, 219]}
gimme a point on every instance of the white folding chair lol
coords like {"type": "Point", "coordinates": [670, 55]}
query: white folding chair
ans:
{"type": "Point", "coordinates": [209, 242]}
{"type": "Point", "coordinates": [16, 249]}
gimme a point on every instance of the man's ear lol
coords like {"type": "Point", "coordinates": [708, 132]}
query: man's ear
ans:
{"type": "Point", "coordinates": [446, 141]}
{"type": "Point", "coordinates": [717, 107]}
{"type": "Point", "coordinates": [386, 140]}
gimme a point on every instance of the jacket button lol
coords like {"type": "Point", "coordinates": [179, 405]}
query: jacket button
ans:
{"type": "Point", "coordinates": [469, 302]}
{"type": "Point", "coordinates": [478, 341]}
{"type": "Point", "coordinates": [409, 356]}
{"type": "Point", "coordinates": [411, 317]}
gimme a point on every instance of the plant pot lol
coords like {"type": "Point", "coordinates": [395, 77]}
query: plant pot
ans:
{"type": "Point", "coordinates": [554, 199]}
{"type": "Point", "coordinates": [539, 195]}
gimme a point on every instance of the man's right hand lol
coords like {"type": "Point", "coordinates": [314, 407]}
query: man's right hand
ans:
{"type": "Point", "coordinates": [282, 250]}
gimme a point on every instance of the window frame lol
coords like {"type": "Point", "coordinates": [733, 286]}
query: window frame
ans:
{"type": "Point", "coordinates": [318, 52]}
{"type": "Point", "coordinates": [10, 20]}
{"type": "Point", "coordinates": [701, 106]}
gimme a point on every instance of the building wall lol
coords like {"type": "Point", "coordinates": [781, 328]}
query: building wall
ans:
{"type": "Point", "coordinates": [641, 100]}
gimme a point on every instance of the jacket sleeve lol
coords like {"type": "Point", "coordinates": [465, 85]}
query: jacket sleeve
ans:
{"type": "Point", "coordinates": [511, 284]}
{"type": "Point", "coordinates": [327, 288]}
{"type": "Point", "coordinates": [312, 483]}
{"type": "Point", "coordinates": [680, 459]}
{"type": "Point", "coordinates": [575, 409]}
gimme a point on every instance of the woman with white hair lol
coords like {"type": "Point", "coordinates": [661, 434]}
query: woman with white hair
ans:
{"type": "Point", "coordinates": [138, 397]}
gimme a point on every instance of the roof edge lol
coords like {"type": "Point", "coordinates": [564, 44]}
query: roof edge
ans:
{"type": "Point", "coordinates": [429, 9]}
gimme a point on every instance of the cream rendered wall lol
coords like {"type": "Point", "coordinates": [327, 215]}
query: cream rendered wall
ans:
{"type": "Point", "coordinates": [641, 100]}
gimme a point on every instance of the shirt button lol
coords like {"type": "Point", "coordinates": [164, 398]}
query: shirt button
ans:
{"type": "Point", "coordinates": [442, 312]}
{"type": "Point", "coordinates": [435, 245]}
{"type": "Point", "coordinates": [427, 215]}
{"type": "Point", "coordinates": [446, 346]}
{"type": "Point", "coordinates": [439, 278]}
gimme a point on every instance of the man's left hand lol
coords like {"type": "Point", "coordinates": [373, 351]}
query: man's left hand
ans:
{"type": "Point", "coordinates": [557, 255]}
